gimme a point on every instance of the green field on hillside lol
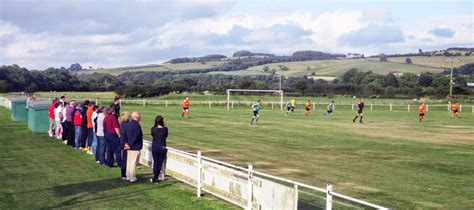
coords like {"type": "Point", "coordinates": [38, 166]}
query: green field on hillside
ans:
{"type": "Point", "coordinates": [338, 67]}
{"type": "Point", "coordinates": [161, 67]}
{"type": "Point", "coordinates": [391, 159]}
{"type": "Point", "coordinates": [436, 61]}
{"type": "Point", "coordinates": [39, 172]}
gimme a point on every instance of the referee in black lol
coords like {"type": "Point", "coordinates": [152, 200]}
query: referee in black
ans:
{"type": "Point", "coordinates": [360, 111]}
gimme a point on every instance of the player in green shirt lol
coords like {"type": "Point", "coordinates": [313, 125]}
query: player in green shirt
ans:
{"type": "Point", "coordinates": [256, 108]}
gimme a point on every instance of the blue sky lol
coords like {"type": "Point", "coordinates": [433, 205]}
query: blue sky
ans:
{"type": "Point", "coordinates": [111, 33]}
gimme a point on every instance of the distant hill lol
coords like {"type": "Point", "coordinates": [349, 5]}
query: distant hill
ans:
{"type": "Point", "coordinates": [300, 63]}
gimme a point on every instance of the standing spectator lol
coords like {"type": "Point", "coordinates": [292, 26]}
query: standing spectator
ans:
{"type": "Point", "coordinates": [64, 123]}
{"type": "Point", "coordinates": [124, 121]}
{"type": "Point", "coordinates": [70, 111]}
{"type": "Point", "coordinates": [112, 136]}
{"type": "Point", "coordinates": [100, 155]}
{"type": "Point", "coordinates": [29, 101]}
{"type": "Point", "coordinates": [78, 126]}
{"type": "Point", "coordinates": [84, 127]}
{"type": "Point", "coordinates": [52, 122]}
{"type": "Point", "coordinates": [116, 106]}
{"type": "Point", "coordinates": [58, 117]}
{"type": "Point", "coordinates": [158, 148]}
{"type": "Point", "coordinates": [62, 99]}
{"type": "Point", "coordinates": [90, 127]}
{"type": "Point", "coordinates": [133, 143]}
{"type": "Point", "coordinates": [94, 128]}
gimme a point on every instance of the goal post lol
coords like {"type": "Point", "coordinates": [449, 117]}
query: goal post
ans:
{"type": "Point", "coordinates": [229, 91]}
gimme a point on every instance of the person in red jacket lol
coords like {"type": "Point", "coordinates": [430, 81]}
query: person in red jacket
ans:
{"type": "Point", "coordinates": [52, 123]}
{"type": "Point", "coordinates": [78, 125]}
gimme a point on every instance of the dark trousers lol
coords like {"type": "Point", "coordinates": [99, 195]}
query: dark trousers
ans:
{"type": "Point", "coordinates": [90, 136]}
{"type": "Point", "coordinates": [70, 134]}
{"type": "Point", "coordinates": [84, 135]}
{"type": "Point", "coordinates": [100, 154]}
{"type": "Point", "coordinates": [64, 125]}
{"type": "Point", "coordinates": [124, 160]}
{"type": "Point", "coordinates": [113, 150]}
{"type": "Point", "coordinates": [159, 155]}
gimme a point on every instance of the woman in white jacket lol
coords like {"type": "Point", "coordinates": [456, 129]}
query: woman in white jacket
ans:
{"type": "Point", "coordinates": [58, 117]}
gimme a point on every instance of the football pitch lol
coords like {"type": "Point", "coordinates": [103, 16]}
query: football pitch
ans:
{"type": "Point", "coordinates": [391, 159]}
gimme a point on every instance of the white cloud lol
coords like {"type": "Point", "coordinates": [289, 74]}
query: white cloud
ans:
{"type": "Point", "coordinates": [152, 31]}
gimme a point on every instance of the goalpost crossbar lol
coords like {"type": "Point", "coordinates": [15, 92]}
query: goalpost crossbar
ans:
{"type": "Point", "coordinates": [228, 91]}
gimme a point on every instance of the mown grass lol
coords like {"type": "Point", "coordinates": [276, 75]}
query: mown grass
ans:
{"type": "Point", "coordinates": [338, 67]}
{"type": "Point", "coordinates": [37, 172]}
{"type": "Point", "coordinates": [435, 61]}
{"type": "Point", "coordinates": [161, 67]}
{"type": "Point", "coordinates": [391, 159]}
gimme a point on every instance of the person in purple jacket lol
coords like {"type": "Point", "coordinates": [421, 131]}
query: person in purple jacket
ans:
{"type": "Point", "coordinates": [69, 124]}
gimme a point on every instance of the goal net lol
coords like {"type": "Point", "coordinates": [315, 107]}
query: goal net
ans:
{"type": "Point", "coordinates": [230, 91]}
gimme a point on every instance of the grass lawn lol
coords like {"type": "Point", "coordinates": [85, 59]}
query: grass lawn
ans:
{"type": "Point", "coordinates": [435, 61]}
{"type": "Point", "coordinates": [391, 159]}
{"type": "Point", "coordinates": [338, 67]}
{"type": "Point", "coordinates": [37, 172]}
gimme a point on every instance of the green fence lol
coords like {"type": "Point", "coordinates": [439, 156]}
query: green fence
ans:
{"type": "Point", "coordinates": [19, 112]}
{"type": "Point", "coordinates": [38, 120]}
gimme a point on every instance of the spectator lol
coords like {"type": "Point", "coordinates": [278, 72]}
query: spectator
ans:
{"type": "Point", "coordinates": [84, 127]}
{"type": "Point", "coordinates": [90, 127]}
{"type": "Point", "coordinates": [112, 137]}
{"type": "Point", "coordinates": [64, 123]}
{"type": "Point", "coordinates": [133, 143]}
{"type": "Point", "coordinates": [62, 99]}
{"type": "Point", "coordinates": [78, 125]}
{"type": "Point", "coordinates": [116, 106]}
{"type": "Point", "coordinates": [94, 133]}
{"type": "Point", "coordinates": [58, 117]}
{"type": "Point", "coordinates": [70, 111]}
{"type": "Point", "coordinates": [100, 155]}
{"type": "Point", "coordinates": [124, 121]}
{"type": "Point", "coordinates": [29, 101]}
{"type": "Point", "coordinates": [52, 122]}
{"type": "Point", "coordinates": [158, 148]}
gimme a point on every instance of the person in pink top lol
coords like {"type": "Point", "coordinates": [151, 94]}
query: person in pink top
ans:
{"type": "Point", "coordinates": [52, 122]}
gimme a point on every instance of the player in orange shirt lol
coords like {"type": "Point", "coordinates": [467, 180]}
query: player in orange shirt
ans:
{"type": "Point", "coordinates": [308, 108]}
{"type": "Point", "coordinates": [455, 110]}
{"type": "Point", "coordinates": [421, 112]}
{"type": "Point", "coordinates": [185, 107]}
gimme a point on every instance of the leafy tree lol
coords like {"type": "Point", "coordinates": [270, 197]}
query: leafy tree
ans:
{"type": "Point", "coordinates": [425, 79]}
{"type": "Point", "coordinates": [383, 57]}
{"type": "Point", "coordinates": [408, 61]}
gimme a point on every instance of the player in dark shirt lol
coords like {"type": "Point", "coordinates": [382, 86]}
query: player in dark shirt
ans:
{"type": "Point", "coordinates": [360, 111]}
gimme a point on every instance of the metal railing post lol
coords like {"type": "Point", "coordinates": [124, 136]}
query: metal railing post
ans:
{"type": "Point", "coordinates": [250, 188]}
{"type": "Point", "coordinates": [329, 197]}
{"type": "Point", "coordinates": [199, 170]}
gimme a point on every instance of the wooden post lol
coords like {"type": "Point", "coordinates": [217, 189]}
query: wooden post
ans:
{"type": "Point", "coordinates": [209, 104]}
{"type": "Point", "coordinates": [390, 107]}
{"type": "Point", "coordinates": [199, 174]}
{"type": "Point", "coordinates": [295, 187]}
{"type": "Point", "coordinates": [329, 197]}
{"type": "Point", "coordinates": [166, 103]}
{"type": "Point", "coordinates": [371, 107]}
{"type": "Point", "coordinates": [272, 104]}
{"type": "Point", "coordinates": [408, 107]}
{"type": "Point", "coordinates": [144, 102]}
{"type": "Point", "coordinates": [250, 188]}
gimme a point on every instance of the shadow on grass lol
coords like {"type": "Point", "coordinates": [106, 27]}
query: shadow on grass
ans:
{"type": "Point", "coordinates": [87, 194]}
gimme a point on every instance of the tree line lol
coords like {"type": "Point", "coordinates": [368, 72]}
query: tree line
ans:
{"type": "Point", "coordinates": [147, 84]}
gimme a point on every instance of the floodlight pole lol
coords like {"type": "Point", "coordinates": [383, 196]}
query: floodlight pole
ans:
{"type": "Point", "coordinates": [451, 82]}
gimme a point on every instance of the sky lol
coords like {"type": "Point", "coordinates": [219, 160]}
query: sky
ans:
{"type": "Point", "coordinates": [38, 34]}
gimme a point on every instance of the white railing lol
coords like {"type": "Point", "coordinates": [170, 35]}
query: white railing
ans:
{"type": "Point", "coordinates": [277, 104]}
{"type": "Point", "coordinates": [241, 186]}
